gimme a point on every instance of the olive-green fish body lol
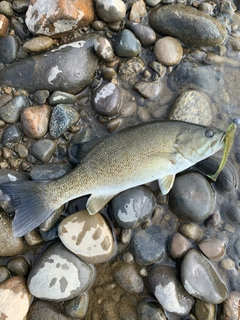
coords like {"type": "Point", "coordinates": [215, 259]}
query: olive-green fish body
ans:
{"type": "Point", "coordinates": [128, 158]}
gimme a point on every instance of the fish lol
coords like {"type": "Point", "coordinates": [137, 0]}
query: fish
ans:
{"type": "Point", "coordinates": [229, 138]}
{"type": "Point", "coordinates": [122, 160]}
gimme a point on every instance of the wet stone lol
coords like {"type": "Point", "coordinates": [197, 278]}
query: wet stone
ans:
{"type": "Point", "coordinates": [59, 97]}
{"type": "Point", "coordinates": [103, 49]}
{"type": "Point", "coordinates": [51, 234]}
{"type": "Point", "coordinates": [38, 44]}
{"type": "Point", "coordinates": [48, 171]}
{"type": "Point", "coordinates": [110, 10]}
{"type": "Point", "coordinates": [107, 99]}
{"type": "Point", "coordinates": [18, 266]}
{"type": "Point", "coordinates": [204, 310]}
{"type": "Point", "coordinates": [6, 8]}
{"type": "Point", "coordinates": [157, 67]}
{"type": "Point", "coordinates": [150, 310]}
{"type": "Point", "coordinates": [131, 207]}
{"type": "Point", "coordinates": [59, 18]}
{"type": "Point", "coordinates": [33, 238]}
{"type": "Point", "coordinates": [22, 32]}
{"type": "Point", "coordinates": [192, 106]}
{"type": "Point", "coordinates": [88, 236]}
{"type": "Point", "coordinates": [4, 24]}
{"type": "Point", "coordinates": [149, 89]}
{"type": "Point", "coordinates": [11, 134]}
{"type": "Point", "coordinates": [77, 307]}
{"type": "Point", "coordinates": [126, 45]}
{"type": "Point", "coordinates": [178, 246]}
{"type": "Point", "coordinates": [4, 274]}
{"type": "Point", "coordinates": [191, 231]}
{"type": "Point", "coordinates": [168, 51]}
{"type": "Point", "coordinates": [198, 28]}
{"type": "Point", "coordinates": [213, 249]}
{"type": "Point", "coordinates": [59, 275]}
{"type": "Point", "coordinates": [148, 245]}
{"type": "Point", "coordinates": [40, 96]}
{"type": "Point", "coordinates": [62, 118]}
{"type": "Point", "coordinates": [20, 6]}
{"type": "Point", "coordinates": [168, 290]}
{"type": "Point", "coordinates": [230, 307]}
{"type": "Point", "coordinates": [108, 73]}
{"type": "Point", "coordinates": [14, 290]}
{"type": "Point", "coordinates": [145, 34]}
{"type": "Point", "coordinates": [43, 310]}
{"type": "Point", "coordinates": [50, 72]}
{"type": "Point", "coordinates": [8, 49]}
{"type": "Point", "coordinates": [192, 197]}
{"type": "Point", "coordinates": [9, 246]}
{"type": "Point", "coordinates": [201, 279]}
{"type": "Point", "coordinates": [43, 149]}
{"type": "Point", "coordinates": [11, 111]}
{"type": "Point", "coordinates": [131, 66]}
{"type": "Point", "coordinates": [127, 277]}
{"type": "Point", "coordinates": [34, 121]}
{"type": "Point", "coordinates": [137, 11]}
{"type": "Point", "coordinates": [231, 214]}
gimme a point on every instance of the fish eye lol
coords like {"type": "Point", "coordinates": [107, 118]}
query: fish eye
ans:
{"type": "Point", "coordinates": [209, 133]}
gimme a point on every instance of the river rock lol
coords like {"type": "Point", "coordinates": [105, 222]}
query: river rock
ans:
{"type": "Point", "coordinates": [88, 236]}
{"type": "Point", "coordinates": [51, 72]}
{"type": "Point", "coordinates": [230, 307]}
{"type": "Point", "coordinates": [151, 89]}
{"type": "Point", "coordinates": [197, 27]}
{"type": "Point", "coordinates": [204, 311]}
{"type": "Point", "coordinates": [10, 112]}
{"type": "Point", "coordinates": [213, 249]}
{"type": "Point", "coordinates": [9, 246]}
{"type": "Point", "coordinates": [107, 98]}
{"type": "Point", "coordinates": [110, 10]}
{"type": "Point", "coordinates": [192, 197]}
{"type": "Point", "coordinates": [34, 121]}
{"type": "Point", "coordinates": [131, 66]}
{"type": "Point", "coordinates": [8, 49]}
{"type": "Point", "coordinates": [4, 24]}
{"type": "Point", "coordinates": [38, 44]}
{"type": "Point", "coordinates": [150, 310]}
{"type": "Point", "coordinates": [43, 310]}
{"type": "Point", "coordinates": [77, 307]}
{"type": "Point", "coordinates": [49, 171]}
{"type": "Point", "coordinates": [11, 134]}
{"type": "Point", "coordinates": [138, 10]}
{"type": "Point", "coordinates": [6, 8]}
{"type": "Point", "coordinates": [192, 106]}
{"type": "Point", "coordinates": [14, 292]}
{"type": "Point", "coordinates": [62, 118]}
{"type": "Point", "coordinates": [43, 149]}
{"type": "Point", "coordinates": [168, 290]}
{"type": "Point", "coordinates": [127, 277]}
{"type": "Point", "coordinates": [148, 245]}
{"type": "Point", "coordinates": [201, 279]}
{"type": "Point", "coordinates": [59, 275]}
{"type": "Point", "coordinates": [18, 266]}
{"type": "Point", "coordinates": [168, 51]}
{"type": "Point", "coordinates": [178, 246]}
{"type": "Point", "coordinates": [103, 49]}
{"type": "Point", "coordinates": [59, 18]}
{"type": "Point", "coordinates": [126, 45]}
{"type": "Point", "coordinates": [145, 34]}
{"type": "Point", "coordinates": [131, 207]}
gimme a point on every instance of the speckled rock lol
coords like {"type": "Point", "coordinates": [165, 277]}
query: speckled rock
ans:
{"type": "Point", "coordinates": [43, 310]}
{"type": "Point", "coordinates": [192, 197]}
{"type": "Point", "coordinates": [103, 49]}
{"type": "Point", "coordinates": [77, 307]}
{"type": "Point", "coordinates": [10, 112]}
{"type": "Point", "coordinates": [127, 277]}
{"type": "Point", "coordinates": [14, 292]}
{"type": "Point", "coordinates": [230, 307]}
{"type": "Point", "coordinates": [150, 310]}
{"type": "Point", "coordinates": [192, 106]}
{"type": "Point", "coordinates": [126, 45]}
{"type": "Point", "coordinates": [59, 18]}
{"type": "Point", "coordinates": [148, 245]}
{"type": "Point", "coordinates": [38, 44]}
{"type": "Point", "coordinates": [131, 66]}
{"type": "Point", "coordinates": [145, 34]}
{"type": "Point", "coordinates": [201, 279]}
{"type": "Point", "coordinates": [168, 51]}
{"type": "Point", "coordinates": [107, 98]}
{"type": "Point", "coordinates": [59, 275]}
{"type": "Point", "coordinates": [168, 290]}
{"type": "Point", "coordinates": [88, 236]}
{"type": "Point", "coordinates": [131, 207]}
{"type": "Point", "coordinates": [9, 246]}
{"type": "Point", "coordinates": [62, 118]}
{"type": "Point", "coordinates": [51, 72]}
{"type": "Point", "coordinates": [197, 27]}
{"type": "Point", "coordinates": [213, 249]}
{"type": "Point", "coordinates": [151, 89]}
{"type": "Point", "coordinates": [110, 10]}
{"type": "Point", "coordinates": [34, 121]}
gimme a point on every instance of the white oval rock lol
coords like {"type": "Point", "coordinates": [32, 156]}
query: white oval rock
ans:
{"type": "Point", "coordinates": [59, 275]}
{"type": "Point", "coordinates": [88, 236]}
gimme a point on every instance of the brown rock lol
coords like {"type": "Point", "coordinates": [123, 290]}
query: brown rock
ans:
{"type": "Point", "coordinates": [179, 245]}
{"type": "Point", "coordinates": [4, 24]}
{"type": "Point", "coordinates": [214, 249]}
{"type": "Point", "coordinates": [38, 44]}
{"type": "Point", "coordinates": [58, 17]}
{"type": "Point", "coordinates": [230, 307]}
{"type": "Point", "coordinates": [14, 299]}
{"type": "Point", "coordinates": [168, 51]}
{"type": "Point", "coordinates": [34, 121]}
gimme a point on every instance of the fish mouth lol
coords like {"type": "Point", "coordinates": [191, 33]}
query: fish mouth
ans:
{"type": "Point", "coordinates": [220, 142]}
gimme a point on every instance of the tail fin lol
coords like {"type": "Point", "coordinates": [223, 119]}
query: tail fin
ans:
{"type": "Point", "coordinates": [30, 204]}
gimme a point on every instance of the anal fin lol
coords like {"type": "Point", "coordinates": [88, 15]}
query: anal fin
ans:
{"type": "Point", "coordinates": [166, 183]}
{"type": "Point", "coordinates": [96, 202]}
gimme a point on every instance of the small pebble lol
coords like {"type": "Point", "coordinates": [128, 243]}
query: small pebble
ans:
{"type": "Point", "coordinates": [103, 49]}
{"type": "Point", "coordinates": [61, 97]}
{"type": "Point", "coordinates": [191, 231]}
{"type": "Point", "coordinates": [38, 44]}
{"type": "Point", "coordinates": [77, 307]}
{"type": "Point", "coordinates": [18, 266]}
{"type": "Point", "coordinates": [214, 249]}
{"type": "Point", "coordinates": [43, 149]}
{"type": "Point", "coordinates": [126, 45]}
{"type": "Point", "coordinates": [168, 51]}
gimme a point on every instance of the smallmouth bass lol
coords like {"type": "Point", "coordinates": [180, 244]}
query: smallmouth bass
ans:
{"type": "Point", "coordinates": [122, 160]}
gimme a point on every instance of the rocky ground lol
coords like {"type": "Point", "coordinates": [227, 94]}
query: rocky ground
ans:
{"type": "Point", "coordinates": [74, 71]}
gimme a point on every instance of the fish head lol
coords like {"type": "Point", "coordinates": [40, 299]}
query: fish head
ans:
{"type": "Point", "coordinates": [199, 142]}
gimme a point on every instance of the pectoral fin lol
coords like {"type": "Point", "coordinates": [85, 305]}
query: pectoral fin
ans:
{"type": "Point", "coordinates": [96, 202]}
{"type": "Point", "coordinates": [166, 183]}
